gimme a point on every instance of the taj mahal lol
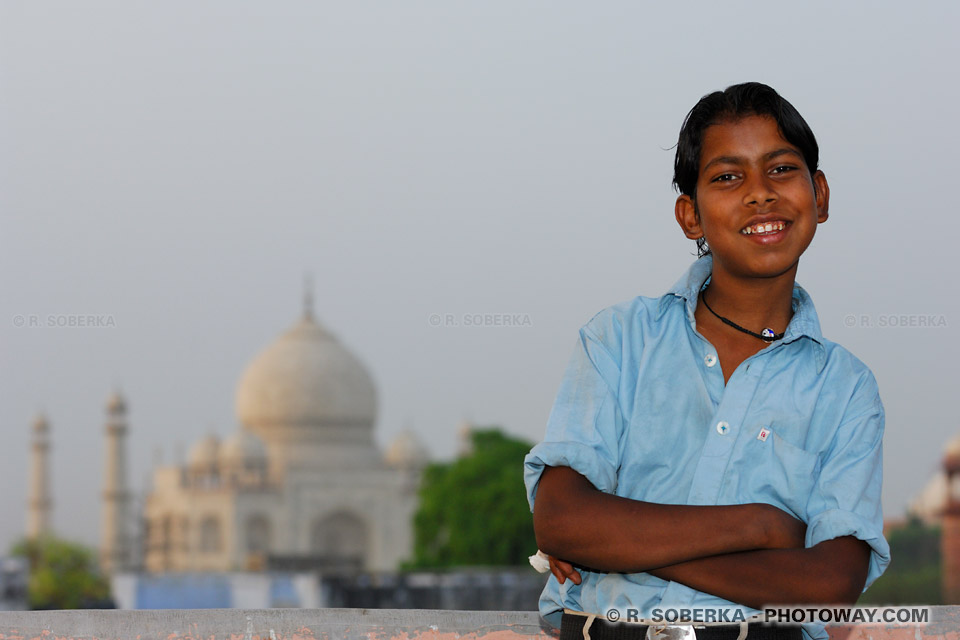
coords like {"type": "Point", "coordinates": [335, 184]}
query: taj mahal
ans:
{"type": "Point", "coordinates": [299, 484]}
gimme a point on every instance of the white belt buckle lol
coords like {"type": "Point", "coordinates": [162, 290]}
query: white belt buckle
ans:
{"type": "Point", "coordinates": [671, 632]}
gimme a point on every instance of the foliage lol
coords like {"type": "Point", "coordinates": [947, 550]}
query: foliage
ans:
{"type": "Point", "coordinates": [914, 575]}
{"type": "Point", "coordinates": [63, 575]}
{"type": "Point", "coordinates": [473, 511]}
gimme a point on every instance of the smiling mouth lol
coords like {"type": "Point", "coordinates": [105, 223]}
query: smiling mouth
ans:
{"type": "Point", "coordinates": [764, 228]}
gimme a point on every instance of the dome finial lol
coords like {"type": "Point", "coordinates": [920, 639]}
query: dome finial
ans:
{"type": "Point", "coordinates": [116, 405]}
{"type": "Point", "coordinates": [307, 296]}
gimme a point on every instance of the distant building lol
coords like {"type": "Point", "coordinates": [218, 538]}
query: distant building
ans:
{"type": "Point", "coordinates": [938, 504]}
{"type": "Point", "coordinates": [932, 501]}
{"type": "Point", "coordinates": [116, 544]}
{"type": "Point", "coordinates": [950, 525]}
{"type": "Point", "coordinates": [39, 501]}
{"type": "Point", "coordinates": [300, 485]}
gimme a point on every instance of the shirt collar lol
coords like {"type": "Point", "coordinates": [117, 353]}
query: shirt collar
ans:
{"type": "Point", "coordinates": [804, 322]}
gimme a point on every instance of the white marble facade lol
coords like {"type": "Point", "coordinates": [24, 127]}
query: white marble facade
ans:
{"type": "Point", "coordinates": [301, 484]}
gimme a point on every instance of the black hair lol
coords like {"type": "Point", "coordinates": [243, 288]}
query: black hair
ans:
{"type": "Point", "coordinates": [735, 102]}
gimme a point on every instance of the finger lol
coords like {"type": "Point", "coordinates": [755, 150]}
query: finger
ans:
{"type": "Point", "coordinates": [573, 575]}
{"type": "Point", "coordinates": [555, 570]}
{"type": "Point", "coordinates": [566, 567]}
{"type": "Point", "coordinates": [568, 571]}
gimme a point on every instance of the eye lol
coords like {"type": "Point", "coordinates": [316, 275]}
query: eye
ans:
{"type": "Point", "coordinates": [724, 177]}
{"type": "Point", "coordinates": [783, 168]}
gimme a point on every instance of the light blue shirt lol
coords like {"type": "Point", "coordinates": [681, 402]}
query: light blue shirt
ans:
{"type": "Point", "coordinates": [643, 413]}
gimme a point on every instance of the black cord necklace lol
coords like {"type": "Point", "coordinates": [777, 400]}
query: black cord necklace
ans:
{"type": "Point", "coordinates": [767, 335]}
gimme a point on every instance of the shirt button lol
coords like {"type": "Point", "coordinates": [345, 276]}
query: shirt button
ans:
{"type": "Point", "coordinates": [710, 360]}
{"type": "Point", "coordinates": [723, 427]}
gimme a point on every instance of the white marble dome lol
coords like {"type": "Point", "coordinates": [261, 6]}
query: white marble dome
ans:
{"type": "Point", "coordinates": [952, 450]}
{"type": "Point", "coordinates": [407, 451]}
{"type": "Point", "coordinates": [305, 378]}
{"type": "Point", "coordinates": [204, 452]}
{"type": "Point", "coordinates": [242, 449]}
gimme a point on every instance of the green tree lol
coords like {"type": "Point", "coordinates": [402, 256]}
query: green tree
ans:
{"type": "Point", "coordinates": [63, 575]}
{"type": "Point", "coordinates": [473, 511]}
{"type": "Point", "coordinates": [914, 575]}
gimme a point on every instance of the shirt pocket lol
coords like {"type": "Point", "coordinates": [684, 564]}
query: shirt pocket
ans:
{"type": "Point", "coordinates": [778, 473]}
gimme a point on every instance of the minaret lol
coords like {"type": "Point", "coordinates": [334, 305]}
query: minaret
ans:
{"type": "Point", "coordinates": [38, 501]}
{"type": "Point", "coordinates": [465, 438]}
{"type": "Point", "coordinates": [950, 527]}
{"type": "Point", "coordinates": [308, 297]}
{"type": "Point", "coordinates": [114, 537]}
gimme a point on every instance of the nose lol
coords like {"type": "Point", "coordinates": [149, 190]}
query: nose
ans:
{"type": "Point", "coordinates": [760, 191]}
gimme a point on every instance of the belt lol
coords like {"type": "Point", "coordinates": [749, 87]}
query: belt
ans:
{"type": "Point", "coordinates": [580, 626]}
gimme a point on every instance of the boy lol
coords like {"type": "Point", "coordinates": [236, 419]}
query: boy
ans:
{"type": "Point", "coordinates": [709, 448]}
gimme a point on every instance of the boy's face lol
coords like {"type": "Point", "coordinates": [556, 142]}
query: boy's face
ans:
{"type": "Point", "coordinates": [751, 180]}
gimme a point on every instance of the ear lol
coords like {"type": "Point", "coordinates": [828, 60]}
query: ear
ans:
{"type": "Point", "coordinates": [822, 190]}
{"type": "Point", "coordinates": [687, 218]}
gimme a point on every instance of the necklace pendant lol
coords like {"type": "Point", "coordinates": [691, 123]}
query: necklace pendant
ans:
{"type": "Point", "coordinates": [768, 335]}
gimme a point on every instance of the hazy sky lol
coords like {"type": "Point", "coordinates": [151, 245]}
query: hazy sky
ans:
{"type": "Point", "coordinates": [175, 168]}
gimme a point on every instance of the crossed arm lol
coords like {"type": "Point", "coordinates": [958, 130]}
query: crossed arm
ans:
{"type": "Point", "coordinates": [752, 554]}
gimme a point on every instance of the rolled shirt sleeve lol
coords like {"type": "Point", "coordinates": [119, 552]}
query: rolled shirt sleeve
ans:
{"type": "Point", "coordinates": [585, 425]}
{"type": "Point", "coordinates": [846, 501]}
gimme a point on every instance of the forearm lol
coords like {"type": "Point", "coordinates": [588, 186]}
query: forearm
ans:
{"type": "Point", "coordinates": [576, 522]}
{"type": "Point", "coordinates": [832, 572]}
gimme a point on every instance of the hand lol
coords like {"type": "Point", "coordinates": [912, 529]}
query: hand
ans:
{"type": "Point", "coordinates": [783, 531]}
{"type": "Point", "coordinates": [563, 570]}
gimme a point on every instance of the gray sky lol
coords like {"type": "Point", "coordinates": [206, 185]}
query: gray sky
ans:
{"type": "Point", "coordinates": [175, 168]}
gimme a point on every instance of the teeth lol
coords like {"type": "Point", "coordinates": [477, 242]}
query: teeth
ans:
{"type": "Point", "coordinates": [768, 227]}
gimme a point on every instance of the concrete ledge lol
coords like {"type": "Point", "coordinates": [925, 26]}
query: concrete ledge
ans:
{"type": "Point", "coordinates": [271, 624]}
{"type": "Point", "coordinates": [354, 624]}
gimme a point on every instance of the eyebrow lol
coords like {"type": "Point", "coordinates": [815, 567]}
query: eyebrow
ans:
{"type": "Point", "coordinates": [741, 160]}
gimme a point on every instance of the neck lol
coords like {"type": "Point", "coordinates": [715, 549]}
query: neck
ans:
{"type": "Point", "coordinates": [753, 303]}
